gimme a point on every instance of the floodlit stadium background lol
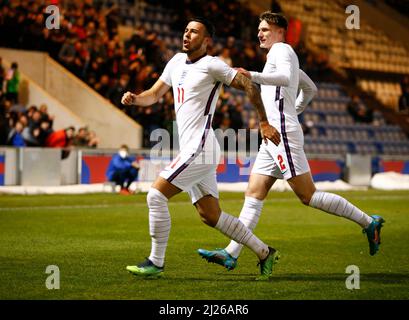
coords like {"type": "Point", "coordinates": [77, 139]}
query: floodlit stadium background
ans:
{"type": "Point", "coordinates": [356, 134]}
{"type": "Point", "coordinates": [77, 74]}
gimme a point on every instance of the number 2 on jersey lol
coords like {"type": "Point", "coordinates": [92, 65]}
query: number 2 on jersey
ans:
{"type": "Point", "coordinates": [181, 95]}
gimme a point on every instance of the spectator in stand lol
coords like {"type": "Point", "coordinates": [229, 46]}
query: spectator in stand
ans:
{"type": "Point", "coordinates": [359, 111]}
{"type": "Point", "coordinates": [35, 120]}
{"type": "Point", "coordinates": [225, 56]}
{"type": "Point", "coordinates": [102, 87]}
{"type": "Point", "coordinates": [67, 53]}
{"type": "Point", "coordinates": [114, 57]}
{"type": "Point", "coordinates": [233, 51]}
{"type": "Point", "coordinates": [79, 28]}
{"type": "Point", "coordinates": [38, 127]}
{"type": "Point", "coordinates": [45, 116]}
{"type": "Point", "coordinates": [37, 30]}
{"type": "Point", "coordinates": [16, 137]}
{"type": "Point", "coordinates": [56, 40]}
{"type": "Point", "coordinates": [118, 90]}
{"type": "Point", "coordinates": [250, 56]}
{"type": "Point", "coordinates": [81, 60]}
{"type": "Point", "coordinates": [13, 82]}
{"type": "Point", "coordinates": [123, 169]}
{"type": "Point", "coordinates": [30, 111]}
{"type": "Point", "coordinates": [44, 131]}
{"type": "Point", "coordinates": [93, 140]}
{"type": "Point", "coordinates": [81, 138]}
{"type": "Point", "coordinates": [23, 119]}
{"type": "Point", "coordinates": [60, 138]}
{"type": "Point", "coordinates": [123, 66]}
{"type": "Point", "coordinates": [86, 138]}
{"type": "Point", "coordinates": [30, 136]}
{"type": "Point", "coordinates": [94, 71]}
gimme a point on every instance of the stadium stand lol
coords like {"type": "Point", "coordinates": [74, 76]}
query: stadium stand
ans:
{"type": "Point", "coordinates": [33, 127]}
{"type": "Point", "coordinates": [367, 50]}
{"type": "Point", "coordinates": [89, 46]}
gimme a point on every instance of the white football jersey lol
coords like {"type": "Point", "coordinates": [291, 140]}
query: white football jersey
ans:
{"type": "Point", "coordinates": [196, 88]}
{"type": "Point", "coordinates": [280, 101]}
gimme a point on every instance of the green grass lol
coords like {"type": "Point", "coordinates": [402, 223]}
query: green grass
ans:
{"type": "Point", "coordinates": [91, 238]}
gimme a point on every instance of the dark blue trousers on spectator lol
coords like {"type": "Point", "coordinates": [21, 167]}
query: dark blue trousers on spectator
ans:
{"type": "Point", "coordinates": [125, 177]}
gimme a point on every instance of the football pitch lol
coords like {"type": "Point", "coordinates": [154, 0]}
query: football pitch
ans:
{"type": "Point", "coordinates": [92, 238]}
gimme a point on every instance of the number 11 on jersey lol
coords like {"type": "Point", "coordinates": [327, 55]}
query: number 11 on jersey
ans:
{"type": "Point", "coordinates": [181, 95]}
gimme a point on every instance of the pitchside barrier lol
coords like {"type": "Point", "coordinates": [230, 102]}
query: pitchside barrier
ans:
{"type": "Point", "coordinates": [45, 167]}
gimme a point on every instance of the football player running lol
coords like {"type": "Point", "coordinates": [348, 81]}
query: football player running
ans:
{"type": "Point", "coordinates": [279, 82]}
{"type": "Point", "coordinates": [196, 79]}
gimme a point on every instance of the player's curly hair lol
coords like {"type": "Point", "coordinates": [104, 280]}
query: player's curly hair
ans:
{"type": "Point", "coordinates": [276, 19]}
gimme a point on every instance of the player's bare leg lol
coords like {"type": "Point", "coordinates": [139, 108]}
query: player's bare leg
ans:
{"type": "Point", "coordinates": [259, 186]}
{"type": "Point", "coordinates": [303, 186]}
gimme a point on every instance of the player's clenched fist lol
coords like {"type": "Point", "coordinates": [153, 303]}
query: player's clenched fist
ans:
{"type": "Point", "coordinates": [128, 98]}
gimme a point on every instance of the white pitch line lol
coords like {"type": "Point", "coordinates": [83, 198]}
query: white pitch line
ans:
{"type": "Point", "coordinates": [104, 206]}
{"type": "Point", "coordinates": [97, 206]}
{"type": "Point", "coordinates": [138, 204]}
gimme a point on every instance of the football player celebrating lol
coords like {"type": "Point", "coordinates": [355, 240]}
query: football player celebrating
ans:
{"type": "Point", "coordinates": [196, 79]}
{"type": "Point", "coordinates": [279, 83]}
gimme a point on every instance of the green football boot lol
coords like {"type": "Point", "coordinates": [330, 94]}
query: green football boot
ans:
{"type": "Point", "coordinates": [267, 265]}
{"type": "Point", "coordinates": [146, 269]}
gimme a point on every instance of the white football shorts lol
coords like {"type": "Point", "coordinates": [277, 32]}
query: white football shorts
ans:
{"type": "Point", "coordinates": [285, 161]}
{"type": "Point", "coordinates": [195, 174]}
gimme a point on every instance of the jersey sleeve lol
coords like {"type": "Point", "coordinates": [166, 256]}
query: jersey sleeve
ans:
{"type": "Point", "coordinates": [308, 90]}
{"type": "Point", "coordinates": [221, 71]}
{"type": "Point", "coordinates": [282, 75]}
{"type": "Point", "coordinates": [167, 72]}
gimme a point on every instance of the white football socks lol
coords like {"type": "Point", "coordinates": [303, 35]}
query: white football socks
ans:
{"type": "Point", "coordinates": [159, 225]}
{"type": "Point", "coordinates": [233, 228]}
{"type": "Point", "coordinates": [249, 216]}
{"type": "Point", "coordinates": [339, 206]}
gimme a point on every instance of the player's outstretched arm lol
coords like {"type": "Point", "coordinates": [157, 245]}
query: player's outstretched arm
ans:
{"type": "Point", "coordinates": [147, 97]}
{"type": "Point", "coordinates": [267, 131]}
{"type": "Point", "coordinates": [270, 79]}
{"type": "Point", "coordinates": [281, 76]}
